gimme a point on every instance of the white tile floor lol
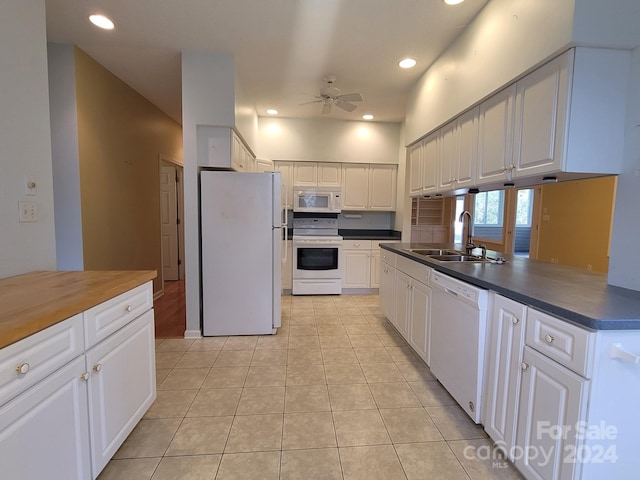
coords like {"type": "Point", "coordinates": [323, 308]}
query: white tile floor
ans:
{"type": "Point", "coordinates": [337, 394]}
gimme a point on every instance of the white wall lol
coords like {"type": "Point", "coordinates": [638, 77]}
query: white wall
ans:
{"type": "Point", "coordinates": [25, 141]}
{"type": "Point", "coordinates": [65, 157]}
{"type": "Point", "coordinates": [328, 140]}
{"type": "Point", "coordinates": [507, 38]}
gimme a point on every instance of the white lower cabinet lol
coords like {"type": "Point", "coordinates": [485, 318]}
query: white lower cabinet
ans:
{"type": "Point", "coordinates": [374, 282]}
{"type": "Point", "coordinates": [387, 285]}
{"type": "Point", "coordinates": [357, 264]}
{"type": "Point", "coordinates": [44, 432]}
{"type": "Point", "coordinates": [419, 325]}
{"type": "Point", "coordinates": [121, 386]}
{"type": "Point", "coordinates": [503, 374]}
{"type": "Point", "coordinates": [403, 302]}
{"type": "Point", "coordinates": [287, 266]}
{"type": "Point", "coordinates": [552, 401]}
{"type": "Point", "coordinates": [68, 424]}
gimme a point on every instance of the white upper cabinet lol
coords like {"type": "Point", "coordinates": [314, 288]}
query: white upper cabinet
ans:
{"type": "Point", "coordinates": [355, 191]}
{"type": "Point", "coordinates": [467, 151]}
{"type": "Point", "coordinates": [317, 174]}
{"type": "Point", "coordinates": [430, 164]}
{"type": "Point", "coordinates": [369, 187]}
{"type": "Point", "coordinates": [221, 147]}
{"type": "Point", "coordinates": [448, 158]}
{"type": "Point", "coordinates": [305, 174]}
{"type": "Point", "coordinates": [329, 174]}
{"type": "Point", "coordinates": [382, 187]}
{"type": "Point", "coordinates": [286, 181]}
{"type": "Point", "coordinates": [415, 169]}
{"type": "Point", "coordinates": [495, 126]}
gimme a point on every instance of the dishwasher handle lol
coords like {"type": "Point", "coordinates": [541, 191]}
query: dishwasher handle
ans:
{"type": "Point", "coordinates": [450, 292]}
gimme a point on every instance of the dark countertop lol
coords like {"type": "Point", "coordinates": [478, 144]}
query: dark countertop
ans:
{"type": "Point", "coordinates": [580, 296]}
{"type": "Point", "coordinates": [353, 234]}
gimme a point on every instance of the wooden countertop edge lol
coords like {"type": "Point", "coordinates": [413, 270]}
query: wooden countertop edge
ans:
{"type": "Point", "coordinates": [19, 321]}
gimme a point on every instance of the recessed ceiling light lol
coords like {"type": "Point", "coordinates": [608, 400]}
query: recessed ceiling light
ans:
{"type": "Point", "coordinates": [407, 63]}
{"type": "Point", "coordinates": [272, 111]}
{"type": "Point", "coordinates": [367, 116]}
{"type": "Point", "coordinates": [101, 21]}
{"type": "Point", "coordinates": [453, 2]}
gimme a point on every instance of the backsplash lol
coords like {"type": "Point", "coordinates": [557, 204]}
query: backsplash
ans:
{"type": "Point", "coordinates": [366, 220]}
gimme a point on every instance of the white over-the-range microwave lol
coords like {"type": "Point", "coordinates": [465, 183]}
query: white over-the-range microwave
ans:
{"type": "Point", "coordinates": [317, 199]}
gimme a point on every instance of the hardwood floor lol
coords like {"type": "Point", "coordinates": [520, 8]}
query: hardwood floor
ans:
{"type": "Point", "coordinates": [170, 316]}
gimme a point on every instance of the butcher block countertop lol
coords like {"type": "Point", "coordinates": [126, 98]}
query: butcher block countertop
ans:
{"type": "Point", "coordinates": [34, 301]}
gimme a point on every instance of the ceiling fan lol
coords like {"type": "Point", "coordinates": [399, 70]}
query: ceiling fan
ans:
{"type": "Point", "coordinates": [330, 95]}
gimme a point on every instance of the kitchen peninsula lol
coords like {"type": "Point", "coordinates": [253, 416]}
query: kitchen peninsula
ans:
{"type": "Point", "coordinates": [77, 369]}
{"type": "Point", "coordinates": [557, 349]}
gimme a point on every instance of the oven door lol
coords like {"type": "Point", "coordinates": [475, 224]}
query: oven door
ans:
{"type": "Point", "coordinates": [317, 258]}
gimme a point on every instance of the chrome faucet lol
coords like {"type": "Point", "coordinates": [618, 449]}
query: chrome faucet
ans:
{"type": "Point", "coordinates": [470, 245]}
{"type": "Point", "coordinates": [484, 251]}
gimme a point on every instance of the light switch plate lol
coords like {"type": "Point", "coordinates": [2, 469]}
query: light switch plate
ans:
{"type": "Point", "coordinates": [28, 211]}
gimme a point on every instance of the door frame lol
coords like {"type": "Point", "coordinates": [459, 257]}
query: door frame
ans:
{"type": "Point", "coordinates": [169, 161]}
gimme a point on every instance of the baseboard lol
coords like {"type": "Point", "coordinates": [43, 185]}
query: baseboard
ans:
{"type": "Point", "coordinates": [192, 334]}
{"type": "Point", "coordinates": [158, 294]}
{"type": "Point", "coordinates": [359, 291]}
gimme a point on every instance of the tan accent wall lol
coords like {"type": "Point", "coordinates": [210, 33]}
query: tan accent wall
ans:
{"type": "Point", "coordinates": [575, 223]}
{"type": "Point", "coordinates": [120, 136]}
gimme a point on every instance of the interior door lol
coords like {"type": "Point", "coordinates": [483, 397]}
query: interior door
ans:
{"type": "Point", "coordinates": [169, 222]}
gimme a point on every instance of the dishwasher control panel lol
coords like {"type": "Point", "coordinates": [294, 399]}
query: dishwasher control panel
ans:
{"type": "Point", "coordinates": [469, 293]}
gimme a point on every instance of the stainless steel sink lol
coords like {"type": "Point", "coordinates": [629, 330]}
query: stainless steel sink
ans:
{"type": "Point", "coordinates": [433, 251]}
{"type": "Point", "coordinates": [456, 258]}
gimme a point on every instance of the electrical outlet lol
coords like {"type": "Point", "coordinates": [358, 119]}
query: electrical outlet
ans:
{"type": "Point", "coordinates": [28, 211]}
{"type": "Point", "coordinates": [30, 185]}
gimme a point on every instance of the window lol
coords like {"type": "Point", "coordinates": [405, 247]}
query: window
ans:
{"type": "Point", "coordinates": [524, 208]}
{"type": "Point", "coordinates": [489, 209]}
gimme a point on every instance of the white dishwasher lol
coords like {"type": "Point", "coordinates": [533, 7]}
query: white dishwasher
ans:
{"type": "Point", "coordinates": [458, 336]}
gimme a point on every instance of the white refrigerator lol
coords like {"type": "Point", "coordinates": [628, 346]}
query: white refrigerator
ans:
{"type": "Point", "coordinates": [241, 222]}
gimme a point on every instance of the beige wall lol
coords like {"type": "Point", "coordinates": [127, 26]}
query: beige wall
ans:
{"type": "Point", "coordinates": [575, 223]}
{"type": "Point", "coordinates": [120, 137]}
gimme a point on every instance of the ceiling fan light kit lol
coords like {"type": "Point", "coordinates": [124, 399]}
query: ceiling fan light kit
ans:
{"type": "Point", "coordinates": [331, 95]}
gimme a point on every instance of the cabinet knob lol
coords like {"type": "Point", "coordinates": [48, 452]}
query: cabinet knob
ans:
{"type": "Point", "coordinates": [85, 376]}
{"type": "Point", "coordinates": [524, 366]}
{"type": "Point", "coordinates": [97, 367]}
{"type": "Point", "coordinates": [515, 320]}
{"type": "Point", "coordinates": [128, 308]}
{"type": "Point", "coordinates": [356, 244]}
{"type": "Point", "coordinates": [23, 368]}
{"type": "Point", "coordinates": [549, 338]}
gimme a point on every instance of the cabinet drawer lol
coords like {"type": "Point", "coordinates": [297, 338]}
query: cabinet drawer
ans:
{"type": "Point", "coordinates": [39, 355]}
{"type": "Point", "coordinates": [106, 318]}
{"type": "Point", "coordinates": [356, 244]}
{"type": "Point", "coordinates": [387, 257]}
{"type": "Point", "coordinates": [565, 343]}
{"type": "Point", "coordinates": [414, 269]}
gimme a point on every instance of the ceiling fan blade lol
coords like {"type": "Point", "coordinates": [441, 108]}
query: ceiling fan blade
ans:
{"type": "Point", "coordinates": [326, 108]}
{"type": "Point", "coordinates": [349, 107]}
{"type": "Point", "coordinates": [312, 101]}
{"type": "Point", "coordinates": [351, 97]}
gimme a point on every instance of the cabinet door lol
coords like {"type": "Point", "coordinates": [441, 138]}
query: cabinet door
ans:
{"type": "Point", "coordinates": [467, 148]}
{"type": "Point", "coordinates": [121, 387]}
{"type": "Point", "coordinates": [448, 157]}
{"type": "Point", "coordinates": [357, 267]}
{"type": "Point", "coordinates": [503, 371]}
{"type": "Point", "coordinates": [287, 267]}
{"type": "Point", "coordinates": [419, 315]}
{"type": "Point", "coordinates": [415, 170]}
{"type": "Point", "coordinates": [430, 164]}
{"type": "Point", "coordinates": [387, 293]}
{"type": "Point", "coordinates": [382, 187]}
{"type": "Point", "coordinates": [44, 432]}
{"type": "Point", "coordinates": [264, 166]}
{"type": "Point", "coordinates": [237, 153]}
{"type": "Point", "coordinates": [552, 400]}
{"type": "Point", "coordinates": [374, 281]}
{"type": "Point", "coordinates": [495, 126]}
{"type": "Point", "coordinates": [305, 174]}
{"type": "Point", "coordinates": [329, 174]}
{"type": "Point", "coordinates": [403, 302]}
{"type": "Point", "coordinates": [355, 186]}
{"type": "Point", "coordinates": [286, 180]}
